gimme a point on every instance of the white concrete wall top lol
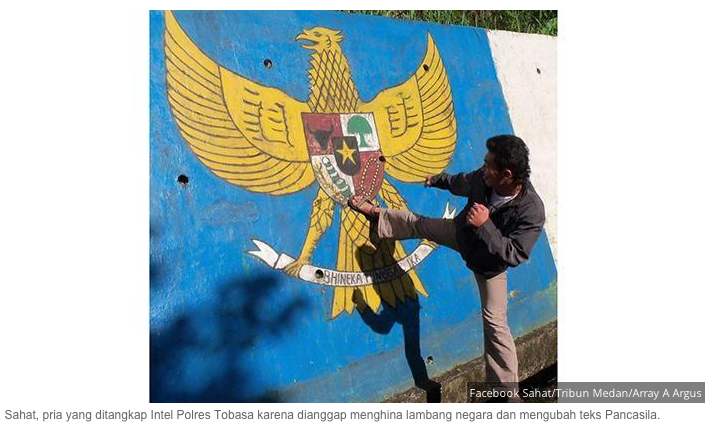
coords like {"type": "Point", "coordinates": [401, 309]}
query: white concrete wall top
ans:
{"type": "Point", "coordinates": [526, 68]}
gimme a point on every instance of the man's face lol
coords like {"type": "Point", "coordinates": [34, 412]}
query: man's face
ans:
{"type": "Point", "coordinates": [492, 176]}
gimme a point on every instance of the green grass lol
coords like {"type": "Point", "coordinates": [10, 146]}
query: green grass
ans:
{"type": "Point", "coordinates": [521, 21]}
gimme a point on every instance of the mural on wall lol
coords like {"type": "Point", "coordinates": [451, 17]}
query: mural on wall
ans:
{"type": "Point", "coordinates": [263, 140]}
{"type": "Point", "coordinates": [255, 259]}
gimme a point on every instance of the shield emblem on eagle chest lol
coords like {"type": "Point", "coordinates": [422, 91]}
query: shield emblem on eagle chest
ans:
{"type": "Point", "coordinates": [345, 153]}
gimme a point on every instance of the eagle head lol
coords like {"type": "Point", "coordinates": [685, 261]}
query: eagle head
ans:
{"type": "Point", "coordinates": [320, 38]}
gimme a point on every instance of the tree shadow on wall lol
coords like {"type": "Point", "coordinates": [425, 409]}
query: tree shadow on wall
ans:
{"type": "Point", "coordinates": [157, 271]}
{"type": "Point", "coordinates": [406, 314]}
{"type": "Point", "coordinates": [203, 355]}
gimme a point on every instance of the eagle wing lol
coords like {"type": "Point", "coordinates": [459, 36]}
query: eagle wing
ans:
{"type": "Point", "coordinates": [416, 121]}
{"type": "Point", "coordinates": [248, 134]}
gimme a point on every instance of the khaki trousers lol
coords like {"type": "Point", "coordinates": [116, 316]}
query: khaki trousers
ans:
{"type": "Point", "coordinates": [500, 352]}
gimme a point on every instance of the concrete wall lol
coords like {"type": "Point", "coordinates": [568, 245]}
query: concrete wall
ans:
{"type": "Point", "coordinates": [225, 325]}
{"type": "Point", "coordinates": [526, 68]}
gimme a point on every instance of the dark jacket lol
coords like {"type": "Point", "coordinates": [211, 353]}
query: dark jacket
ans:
{"type": "Point", "coordinates": [507, 238]}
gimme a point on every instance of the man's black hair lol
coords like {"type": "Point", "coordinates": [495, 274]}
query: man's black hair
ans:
{"type": "Point", "coordinates": [510, 153]}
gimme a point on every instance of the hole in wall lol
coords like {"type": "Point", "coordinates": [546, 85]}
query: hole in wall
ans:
{"type": "Point", "coordinates": [382, 158]}
{"type": "Point", "coordinates": [319, 274]}
{"type": "Point", "coordinates": [429, 359]}
{"type": "Point", "coordinates": [425, 67]}
{"type": "Point", "coordinates": [539, 71]}
{"type": "Point", "coordinates": [267, 63]}
{"type": "Point", "coordinates": [183, 179]}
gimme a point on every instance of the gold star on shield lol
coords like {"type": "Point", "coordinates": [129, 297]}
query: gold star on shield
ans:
{"type": "Point", "coordinates": [346, 153]}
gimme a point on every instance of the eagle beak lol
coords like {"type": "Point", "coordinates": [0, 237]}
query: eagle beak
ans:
{"type": "Point", "coordinates": [306, 37]}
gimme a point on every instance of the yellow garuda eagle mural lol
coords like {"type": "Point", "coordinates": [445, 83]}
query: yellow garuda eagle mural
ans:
{"type": "Point", "coordinates": [263, 140]}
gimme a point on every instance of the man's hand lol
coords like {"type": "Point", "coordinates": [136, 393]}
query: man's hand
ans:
{"type": "Point", "coordinates": [477, 215]}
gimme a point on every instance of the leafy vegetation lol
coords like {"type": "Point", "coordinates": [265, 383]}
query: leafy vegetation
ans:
{"type": "Point", "coordinates": [521, 21]}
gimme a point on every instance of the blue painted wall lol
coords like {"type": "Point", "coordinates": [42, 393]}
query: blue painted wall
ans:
{"type": "Point", "coordinates": [223, 325]}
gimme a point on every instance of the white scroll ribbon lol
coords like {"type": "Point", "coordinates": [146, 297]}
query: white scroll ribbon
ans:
{"type": "Point", "coordinates": [335, 278]}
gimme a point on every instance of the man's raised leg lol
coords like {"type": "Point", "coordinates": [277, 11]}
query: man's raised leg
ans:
{"type": "Point", "coordinates": [401, 224]}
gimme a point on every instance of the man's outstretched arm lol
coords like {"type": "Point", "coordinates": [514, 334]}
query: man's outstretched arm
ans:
{"type": "Point", "coordinates": [457, 184]}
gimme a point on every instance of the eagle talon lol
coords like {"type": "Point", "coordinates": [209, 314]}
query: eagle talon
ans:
{"type": "Point", "coordinates": [293, 269]}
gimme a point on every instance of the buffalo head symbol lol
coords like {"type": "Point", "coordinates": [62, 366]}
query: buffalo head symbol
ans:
{"type": "Point", "coordinates": [322, 136]}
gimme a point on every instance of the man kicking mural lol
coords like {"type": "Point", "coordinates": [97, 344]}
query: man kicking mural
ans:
{"type": "Point", "coordinates": [497, 229]}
